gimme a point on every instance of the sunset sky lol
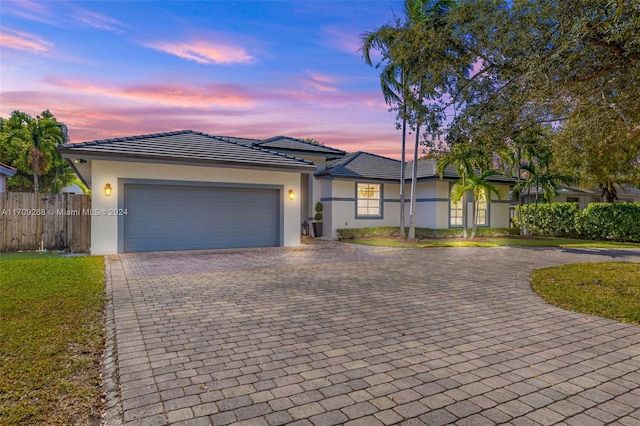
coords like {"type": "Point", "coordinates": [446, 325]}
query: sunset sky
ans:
{"type": "Point", "coordinates": [243, 68]}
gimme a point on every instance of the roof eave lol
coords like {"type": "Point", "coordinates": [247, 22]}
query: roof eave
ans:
{"type": "Point", "coordinates": [70, 154]}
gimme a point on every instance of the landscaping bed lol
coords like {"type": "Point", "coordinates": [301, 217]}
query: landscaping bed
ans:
{"type": "Point", "coordinates": [509, 241]}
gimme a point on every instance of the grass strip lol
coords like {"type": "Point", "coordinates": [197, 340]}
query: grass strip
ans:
{"type": "Point", "coordinates": [51, 339]}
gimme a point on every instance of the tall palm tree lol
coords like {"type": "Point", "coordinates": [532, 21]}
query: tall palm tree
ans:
{"type": "Point", "coordinates": [481, 188]}
{"type": "Point", "coordinates": [35, 140]}
{"type": "Point", "coordinates": [420, 14]}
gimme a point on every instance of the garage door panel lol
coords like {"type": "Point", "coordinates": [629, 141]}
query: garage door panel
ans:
{"type": "Point", "coordinates": [166, 217]}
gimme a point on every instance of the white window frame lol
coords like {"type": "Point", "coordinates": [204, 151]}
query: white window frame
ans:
{"type": "Point", "coordinates": [367, 196]}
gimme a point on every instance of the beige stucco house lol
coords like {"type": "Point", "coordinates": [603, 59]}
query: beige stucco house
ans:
{"type": "Point", "coordinates": [188, 190]}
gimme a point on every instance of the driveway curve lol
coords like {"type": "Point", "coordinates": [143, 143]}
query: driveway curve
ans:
{"type": "Point", "coordinates": [335, 333]}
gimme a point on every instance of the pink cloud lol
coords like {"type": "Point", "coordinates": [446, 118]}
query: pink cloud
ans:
{"type": "Point", "coordinates": [98, 21]}
{"type": "Point", "coordinates": [345, 40]}
{"type": "Point", "coordinates": [215, 94]}
{"type": "Point", "coordinates": [319, 82]}
{"type": "Point", "coordinates": [31, 10]}
{"type": "Point", "coordinates": [204, 52]}
{"type": "Point", "coordinates": [349, 121]}
{"type": "Point", "coordinates": [18, 40]}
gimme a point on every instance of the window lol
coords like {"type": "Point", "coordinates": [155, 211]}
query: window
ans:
{"type": "Point", "coordinates": [573, 200]}
{"type": "Point", "coordinates": [456, 213]}
{"type": "Point", "coordinates": [482, 210]}
{"type": "Point", "coordinates": [368, 200]}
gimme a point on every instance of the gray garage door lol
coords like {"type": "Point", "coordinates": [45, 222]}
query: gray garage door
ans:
{"type": "Point", "coordinates": [166, 217]}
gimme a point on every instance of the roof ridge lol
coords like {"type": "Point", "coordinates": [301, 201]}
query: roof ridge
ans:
{"type": "Point", "coordinates": [380, 156]}
{"type": "Point", "coordinates": [341, 162]}
{"type": "Point", "coordinates": [258, 148]}
{"type": "Point", "coordinates": [239, 137]}
{"type": "Point", "coordinates": [275, 138]}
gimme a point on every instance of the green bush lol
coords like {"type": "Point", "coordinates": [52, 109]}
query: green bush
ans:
{"type": "Point", "coordinates": [605, 221]}
{"type": "Point", "coordinates": [421, 233]}
{"type": "Point", "coordinates": [555, 219]}
{"type": "Point", "coordinates": [599, 221]}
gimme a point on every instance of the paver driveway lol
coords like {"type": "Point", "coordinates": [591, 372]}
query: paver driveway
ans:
{"type": "Point", "coordinates": [342, 334]}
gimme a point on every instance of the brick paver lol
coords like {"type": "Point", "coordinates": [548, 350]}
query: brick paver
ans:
{"type": "Point", "coordinates": [335, 333]}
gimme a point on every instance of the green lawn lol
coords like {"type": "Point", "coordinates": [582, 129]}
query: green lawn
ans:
{"type": "Point", "coordinates": [491, 242]}
{"type": "Point", "coordinates": [609, 290]}
{"type": "Point", "coordinates": [51, 338]}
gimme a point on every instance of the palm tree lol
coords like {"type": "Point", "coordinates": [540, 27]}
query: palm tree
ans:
{"type": "Point", "coordinates": [34, 140]}
{"type": "Point", "coordinates": [420, 14]}
{"type": "Point", "coordinates": [394, 88]}
{"type": "Point", "coordinates": [481, 188]}
{"type": "Point", "coordinates": [398, 76]}
{"type": "Point", "coordinates": [461, 158]}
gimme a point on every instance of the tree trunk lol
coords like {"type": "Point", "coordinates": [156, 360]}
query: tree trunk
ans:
{"type": "Point", "coordinates": [414, 179]}
{"type": "Point", "coordinates": [521, 216]}
{"type": "Point", "coordinates": [474, 214]}
{"type": "Point", "coordinates": [464, 210]}
{"type": "Point", "coordinates": [402, 169]}
{"type": "Point", "coordinates": [35, 165]}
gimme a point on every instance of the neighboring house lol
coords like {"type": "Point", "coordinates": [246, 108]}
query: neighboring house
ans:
{"type": "Point", "coordinates": [188, 190]}
{"type": "Point", "coordinates": [5, 173]}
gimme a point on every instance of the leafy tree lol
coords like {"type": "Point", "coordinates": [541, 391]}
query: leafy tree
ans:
{"type": "Point", "coordinates": [30, 145]}
{"type": "Point", "coordinates": [497, 68]}
{"type": "Point", "coordinates": [402, 78]}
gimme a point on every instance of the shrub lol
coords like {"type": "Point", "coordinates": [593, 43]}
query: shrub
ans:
{"type": "Point", "coordinates": [606, 221]}
{"type": "Point", "coordinates": [555, 219]}
{"type": "Point", "coordinates": [599, 221]}
{"type": "Point", "coordinates": [421, 233]}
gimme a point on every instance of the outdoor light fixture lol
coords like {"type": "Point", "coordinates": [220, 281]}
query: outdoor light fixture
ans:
{"type": "Point", "coordinates": [107, 190]}
{"type": "Point", "coordinates": [292, 195]}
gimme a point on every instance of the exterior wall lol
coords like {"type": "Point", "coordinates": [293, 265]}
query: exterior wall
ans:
{"type": "Point", "coordinates": [104, 228]}
{"type": "Point", "coordinates": [432, 206]}
{"type": "Point", "coordinates": [3, 183]}
{"type": "Point", "coordinates": [432, 210]}
{"type": "Point", "coordinates": [339, 203]}
{"type": "Point", "coordinates": [499, 208]}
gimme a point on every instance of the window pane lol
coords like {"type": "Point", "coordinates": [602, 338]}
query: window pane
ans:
{"type": "Point", "coordinates": [368, 199]}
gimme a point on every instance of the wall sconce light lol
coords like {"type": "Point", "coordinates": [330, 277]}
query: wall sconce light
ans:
{"type": "Point", "coordinates": [107, 190]}
{"type": "Point", "coordinates": [292, 195]}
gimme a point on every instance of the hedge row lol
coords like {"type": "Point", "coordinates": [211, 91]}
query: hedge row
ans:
{"type": "Point", "coordinates": [421, 233]}
{"type": "Point", "coordinates": [599, 221]}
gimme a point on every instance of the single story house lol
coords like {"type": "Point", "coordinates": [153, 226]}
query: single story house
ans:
{"type": "Point", "coordinates": [5, 173]}
{"type": "Point", "coordinates": [187, 190]}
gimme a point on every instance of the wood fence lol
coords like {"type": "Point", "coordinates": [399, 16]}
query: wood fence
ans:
{"type": "Point", "coordinates": [30, 221]}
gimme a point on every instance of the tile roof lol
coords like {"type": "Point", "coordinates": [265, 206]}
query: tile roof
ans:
{"type": "Point", "coordinates": [243, 141]}
{"type": "Point", "coordinates": [364, 165]}
{"type": "Point", "coordinates": [294, 144]}
{"type": "Point", "coordinates": [185, 146]}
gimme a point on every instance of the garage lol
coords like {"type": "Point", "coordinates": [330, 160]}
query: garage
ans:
{"type": "Point", "coordinates": [186, 190]}
{"type": "Point", "coordinates": [176, 217]}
